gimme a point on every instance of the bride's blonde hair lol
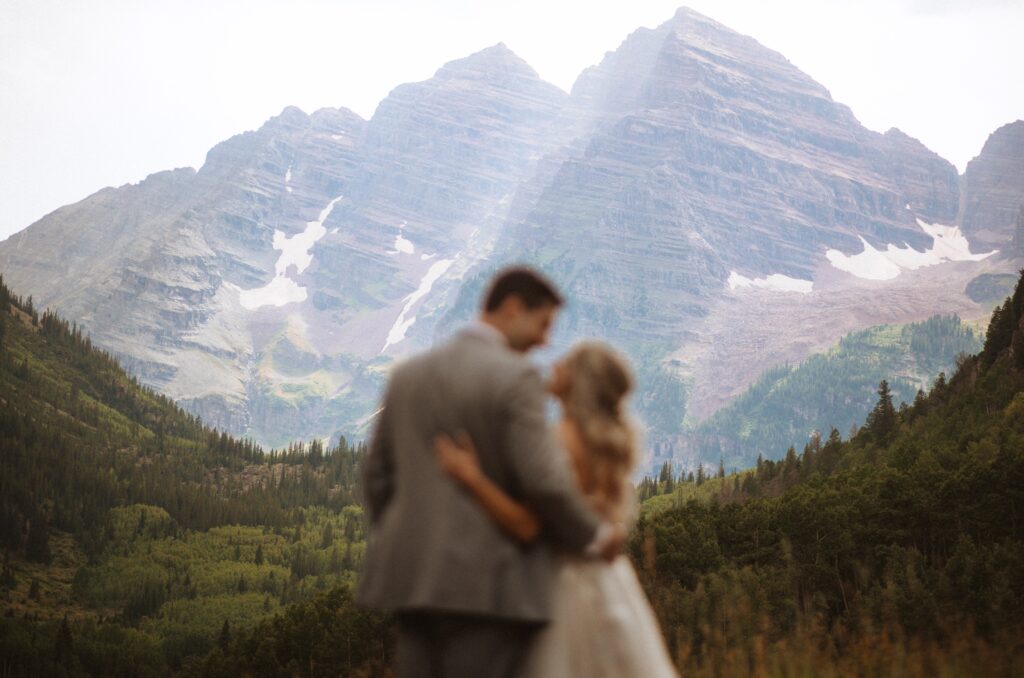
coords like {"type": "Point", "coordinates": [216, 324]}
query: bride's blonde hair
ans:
{"type": "Point", "coordinates": [599, 381]}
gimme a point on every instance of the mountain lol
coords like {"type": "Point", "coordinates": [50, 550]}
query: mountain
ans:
{"type": "Point", "coordinates": [706, 206]}
{"type": "Point", "coordinates": [263, 291]}
{"type": "Point", "coordinates": [735, 218]}
{"type": "Point", "coordinates": [153, 270]}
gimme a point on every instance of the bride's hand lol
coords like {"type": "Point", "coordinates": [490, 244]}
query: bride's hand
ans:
{"type": "Point", "coordinates": [458, 457]}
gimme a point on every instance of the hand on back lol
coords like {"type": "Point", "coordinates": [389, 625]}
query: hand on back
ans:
{"type": "Point", "coordinates": [458, 456]}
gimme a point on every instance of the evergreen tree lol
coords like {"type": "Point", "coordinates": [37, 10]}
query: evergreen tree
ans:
{"type": "Point", "coordinates": [881, 422]}
{"type": "Point", "coordinates": [790, 464]}
{"type": "Point", "coordinates": [259, 554]}
{"type": "Point", "coordinates": [63, 646]}
{"type": "Point", "coordinates": [7, 578]}
{"type": "Point", "coordinates": [999, 334]}
{"type": "Point", "coordinates": [666, 473]}
{"type": "Point", "coordinates": [224, 639]}
{"type": "Point", "coordinates": [1017, 300]}
{"type": "Point", "coordinates": [811, 451]}
{"type": "Point", "coordinates": [38, 546]}
{"type": "Point", "coordinates": [1017, 310]}
{"type": "Point", "coordinates": [327, 536]}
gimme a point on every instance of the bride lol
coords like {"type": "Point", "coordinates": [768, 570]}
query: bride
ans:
{"type": "Point", "coordinates": [601, 624]}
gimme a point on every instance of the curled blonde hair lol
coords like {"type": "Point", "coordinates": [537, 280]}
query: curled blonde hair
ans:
{"type": "Point", "coordinates": [600, 380]}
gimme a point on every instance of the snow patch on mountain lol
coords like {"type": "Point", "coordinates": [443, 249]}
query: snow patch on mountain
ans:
{"type": "Point", "coordinates": [948, 244]}
{"type": "Point", "coordinates": [775, 282]}
{"type": "Point", "coordinates": [295, 252]}
{"type": "Point", "coordinates": [402, 244]}
{"type": "Point", "coordinates": [403, 323]}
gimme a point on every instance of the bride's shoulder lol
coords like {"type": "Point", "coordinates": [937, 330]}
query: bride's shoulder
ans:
{"type": "Point", "coordinates": [571, 439]}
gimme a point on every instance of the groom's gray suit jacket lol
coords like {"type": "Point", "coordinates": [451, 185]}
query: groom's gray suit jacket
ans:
{"type": "Point", "coordinates": [432, 547]}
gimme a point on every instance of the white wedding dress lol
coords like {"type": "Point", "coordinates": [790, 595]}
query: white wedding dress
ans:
{"type": "Point", "coordinates": [601, 626]}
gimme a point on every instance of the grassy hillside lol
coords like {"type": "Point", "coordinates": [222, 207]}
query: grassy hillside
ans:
{"type": "Point", "coordinates": [134, 535]}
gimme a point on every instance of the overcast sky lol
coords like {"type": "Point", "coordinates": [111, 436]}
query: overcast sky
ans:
{"type": "Point", "coordinates": [97, 93]}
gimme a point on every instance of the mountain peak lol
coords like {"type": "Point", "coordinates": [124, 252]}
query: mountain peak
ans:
{"type": "Point", "coordinates": [692, 56]}
{"type": "Point", "coordinates": [490, 61]}
{"type": "Point", "coordinates": [704, 32]}
{"type": "Point", "coordinates": [499, 48]}
{"type": "Point", "coordinates": [1012, 133]}
{"type": "Point", "coordinates": [686, 15]}
{"type": "Point", "coordinates": [289, 117]}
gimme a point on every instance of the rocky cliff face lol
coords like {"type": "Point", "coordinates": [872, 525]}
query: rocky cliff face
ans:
{"type": "Point", "coordinates": [994, 187]}
{"type": "Point", "coordinates": [441, 160]}
{"type": "Point", "coordinates": [709, 155]}
{"type": "Point", "coordinates": [707, 207]}
{"type": "Point", "coordinates": [727, 202]}
{"type": "Point", "coordinates": [265, 291]}
{"type": "Point", "coordinates": [153, 270]}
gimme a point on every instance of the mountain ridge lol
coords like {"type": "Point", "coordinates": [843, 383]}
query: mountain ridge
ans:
{"type": "Point", "coordinates": [709, 180]}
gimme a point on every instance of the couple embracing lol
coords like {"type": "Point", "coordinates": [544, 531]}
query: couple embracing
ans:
{"type": "Point", "coordinates": [496, 539]}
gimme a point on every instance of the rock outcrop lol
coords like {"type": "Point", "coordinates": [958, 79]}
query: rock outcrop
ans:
{"type": "Point", "coordinates": [994, 188]}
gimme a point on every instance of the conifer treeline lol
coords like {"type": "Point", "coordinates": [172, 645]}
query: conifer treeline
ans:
{"type": "Point", "coordinates": [832, 388]}
{"type": "Point", "coordinates": [900, 549]}
{"type": "Point", "coordinates": [899, 552]}
{"type": "Point", "coordinates": [79, 436]}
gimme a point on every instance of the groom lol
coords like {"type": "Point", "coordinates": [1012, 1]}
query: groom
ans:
{"type": "Point", "coordinates": [467, 599]}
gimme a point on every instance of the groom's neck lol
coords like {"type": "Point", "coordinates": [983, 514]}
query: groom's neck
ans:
{"type": "Point", "coordinates": [495, 323]}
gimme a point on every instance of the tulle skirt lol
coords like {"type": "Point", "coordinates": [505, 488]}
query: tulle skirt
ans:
{"type": "Point", "coordinates": [602, 626]}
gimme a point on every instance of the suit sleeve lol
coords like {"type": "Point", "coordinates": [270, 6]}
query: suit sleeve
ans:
{"type": "Point", "coordinates": [542, 469]}
{"type": "Point", "coordinates": [378, 467]}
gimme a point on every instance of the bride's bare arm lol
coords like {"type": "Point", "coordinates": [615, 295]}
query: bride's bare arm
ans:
{"type": "Point", "coordinates": [459, 460]}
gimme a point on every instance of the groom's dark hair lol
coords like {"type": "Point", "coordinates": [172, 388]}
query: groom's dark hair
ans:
{"type": "Point", "coordinates": [521, 281]}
